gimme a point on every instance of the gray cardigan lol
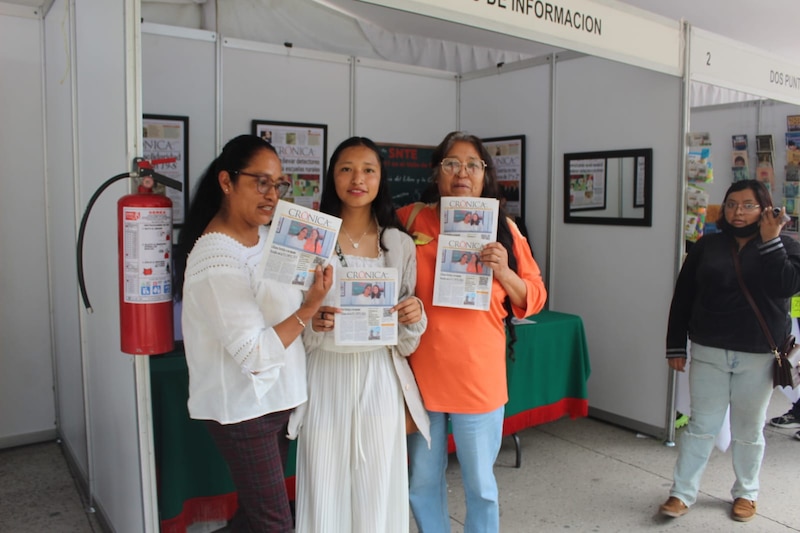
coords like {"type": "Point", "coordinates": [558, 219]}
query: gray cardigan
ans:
{"type": "Point", "coordinates": [402, 255]}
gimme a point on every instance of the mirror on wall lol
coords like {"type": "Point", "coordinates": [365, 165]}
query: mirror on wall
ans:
{"type": "Point", "coordinates": [609, 187]}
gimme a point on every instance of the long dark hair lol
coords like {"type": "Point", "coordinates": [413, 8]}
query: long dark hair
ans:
{"type": "Point", "coordinates": [762, 196]}
{"type": "Point", "coordinates": [207, 200]}
{"type": "Point", "coordinates": [382, 208]}
{"type": "Point", "coordinates": [491, 189]}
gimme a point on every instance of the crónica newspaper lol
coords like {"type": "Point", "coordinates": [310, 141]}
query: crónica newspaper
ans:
{"type": "Point", "coordinates": [366, 296]}
{"type": "Point", "coordinates": [299, 239]}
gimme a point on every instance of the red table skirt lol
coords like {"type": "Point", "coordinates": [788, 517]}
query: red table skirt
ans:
{"type": "Point", "coordinates": [223, 506]}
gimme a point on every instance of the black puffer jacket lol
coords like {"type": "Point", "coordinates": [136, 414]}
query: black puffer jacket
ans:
{"type": "Point", "coordinates": [708, 304]}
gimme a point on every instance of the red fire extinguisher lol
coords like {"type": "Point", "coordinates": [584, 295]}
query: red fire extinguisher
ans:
{"type": "Point", "coordinates": [144, 242]}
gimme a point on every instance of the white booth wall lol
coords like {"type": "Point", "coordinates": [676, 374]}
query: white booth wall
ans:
{"type": "Point", "coordinates": [27, 406]}
{"type": "Point", "coordinates": [62, 230]}
{"type": "Point", "coordinates": [619, 279]}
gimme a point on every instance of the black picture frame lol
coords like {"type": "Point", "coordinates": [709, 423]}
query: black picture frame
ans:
{"type": "Point", "coordinates": [165, 136]}
{"type": "Point", "coordinates": [508, 157]}
{"type": "Point", "coordinates": [596, 165]}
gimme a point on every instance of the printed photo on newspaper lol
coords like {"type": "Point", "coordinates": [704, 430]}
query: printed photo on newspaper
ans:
{"type": "Point", "coordinates": [461, 280]}
{"type": "Point", "coordinates": [470, 217]}
{"type": "Point", "coordinates": [366, 296]}
{"type": "Point", "coordinates": [299, 239]}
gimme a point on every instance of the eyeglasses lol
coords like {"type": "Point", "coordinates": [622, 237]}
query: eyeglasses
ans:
{"type": "Point", "coordinates": [747, 208]}
{"type": "Point", "coordinates": [264, 185]}
{"type": "Point", "coordinates": [453, 166]}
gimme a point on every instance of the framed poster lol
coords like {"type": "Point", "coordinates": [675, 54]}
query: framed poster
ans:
{"type": "Point", "coordinates": [167, 136]}
{"type": "Point", "coordinates": [508, 156]}
{"type": "Point", "coordinates": [303, 150]}
{"type": "Point", "coordinates": [408, 167]}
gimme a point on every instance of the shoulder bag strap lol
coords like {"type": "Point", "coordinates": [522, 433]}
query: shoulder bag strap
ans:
{"type": "Point", "coordinates": [750, 300]}
{"type": "Point", "coordinates": [414, 212]}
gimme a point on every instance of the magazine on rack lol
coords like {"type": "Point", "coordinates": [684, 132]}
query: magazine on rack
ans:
{"type": "Point", "coordinates": [469, 217]}
{"type": "Point", "coordinates": [299, 239]}
{"type": "Point", "coordinates": [366, 296]}
{"type": "Point", "coordinates": [461, 280]}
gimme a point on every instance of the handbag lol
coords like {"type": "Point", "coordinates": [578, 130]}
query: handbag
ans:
{"type": "Point", "coordinates": [785, 371]}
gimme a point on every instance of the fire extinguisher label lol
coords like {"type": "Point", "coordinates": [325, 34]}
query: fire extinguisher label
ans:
{"type": "Point", "coordinates": [147, 249]}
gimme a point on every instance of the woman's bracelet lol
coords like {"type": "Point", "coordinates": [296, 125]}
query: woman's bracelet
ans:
{"type": "Point", "coordinates": [300, 320]}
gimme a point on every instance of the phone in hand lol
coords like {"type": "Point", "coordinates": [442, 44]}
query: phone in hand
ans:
{"type": "Point", "coordinates": [776, 212]}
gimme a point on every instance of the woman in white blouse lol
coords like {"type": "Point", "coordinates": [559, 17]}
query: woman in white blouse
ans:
{"type": "Point", "coordinates": [241, 331]}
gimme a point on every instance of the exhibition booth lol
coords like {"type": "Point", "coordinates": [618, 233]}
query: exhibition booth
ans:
{"type": "Point", "coordinates": [622, 88]}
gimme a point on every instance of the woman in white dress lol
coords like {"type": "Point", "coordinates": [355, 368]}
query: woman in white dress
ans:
{"type": "Point", "coordinates": [352, 464]}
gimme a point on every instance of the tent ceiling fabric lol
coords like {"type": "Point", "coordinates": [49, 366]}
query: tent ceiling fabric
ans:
{"type": "Point", "coordinates": [355, 28]}
{"type": "Point", "coordinates": [350, 28]}
{"type": "Point", "coordinates": [770, 26]}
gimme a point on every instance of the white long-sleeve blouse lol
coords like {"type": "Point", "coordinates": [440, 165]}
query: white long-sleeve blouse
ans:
{"type": "Point", "coordinates": [238, 367]}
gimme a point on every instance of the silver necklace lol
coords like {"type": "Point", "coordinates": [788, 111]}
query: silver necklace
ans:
{"type": "Point", "coordinates": [356, 243]}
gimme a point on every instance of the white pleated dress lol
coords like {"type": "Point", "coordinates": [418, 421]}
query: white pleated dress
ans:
{"type": "Point", "coordinates": [352, 473]}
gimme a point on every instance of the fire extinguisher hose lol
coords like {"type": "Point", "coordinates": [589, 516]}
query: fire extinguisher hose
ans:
{"type": "Point", "coordinates": [81, 231]}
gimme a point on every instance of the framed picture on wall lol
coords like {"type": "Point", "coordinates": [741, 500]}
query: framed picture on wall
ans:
{"type": "Point", "coordinates": [598, 187]}
{"type": "Point", "coordinates": [408, 170]}
{"type": "Point", "coordinates": [302, 148]}
{"type": "Point", "coordinates": [166, 137]}
{"type": "Point", "coordinates": [508, 156]}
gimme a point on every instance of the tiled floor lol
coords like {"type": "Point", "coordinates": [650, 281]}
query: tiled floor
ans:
{"type": "Point", "coordinates": [576, 475]}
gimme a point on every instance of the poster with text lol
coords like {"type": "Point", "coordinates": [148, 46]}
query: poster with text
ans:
{"type": "Point", "coordinates": [587, 184]}
{"type": "Point", "coordinates": [302, 149]}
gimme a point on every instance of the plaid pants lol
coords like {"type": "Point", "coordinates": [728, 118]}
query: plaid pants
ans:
{"type": "Point", "coordinates": [256, 451]}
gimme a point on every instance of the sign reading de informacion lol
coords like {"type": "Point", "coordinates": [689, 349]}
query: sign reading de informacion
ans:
{"type": "Point", "coordinates": [552, 13]}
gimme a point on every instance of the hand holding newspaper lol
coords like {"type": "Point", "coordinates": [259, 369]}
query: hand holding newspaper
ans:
{"type": "Point", "coordinates": [467, 224]}
{"type": "Point", "coordinates": [366, 297]}
{"type": "Point", "coordinates": [299, 239]}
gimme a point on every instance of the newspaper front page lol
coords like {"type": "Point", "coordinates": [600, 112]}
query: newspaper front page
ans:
{"type": "Point", "coordinates": [299, 239]}
{"type": "Point", "coordinates": [366, 296]}
{"type": "Point", "coordinates": [469, 216]}
{"type": "Point", "coordinates": [461, 281]}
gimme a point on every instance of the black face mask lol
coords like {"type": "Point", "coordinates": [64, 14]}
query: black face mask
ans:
{"type": "Point", "coordinates": [745, 231]}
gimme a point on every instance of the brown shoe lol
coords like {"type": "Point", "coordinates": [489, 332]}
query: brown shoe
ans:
{"type": "Point", "coordinates": [743, 510]}
{"type": "Point", "coordinates": [673, 507]}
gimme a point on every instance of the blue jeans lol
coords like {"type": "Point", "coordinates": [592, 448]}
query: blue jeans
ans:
{"type": "Point", "coordinates": [718, 378]}
{"type": "Point", "coordinates": [477, 440]}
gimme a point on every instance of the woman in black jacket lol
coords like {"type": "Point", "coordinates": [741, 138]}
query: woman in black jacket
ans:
{"type": "Point", "coordinates": [731, 357]}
